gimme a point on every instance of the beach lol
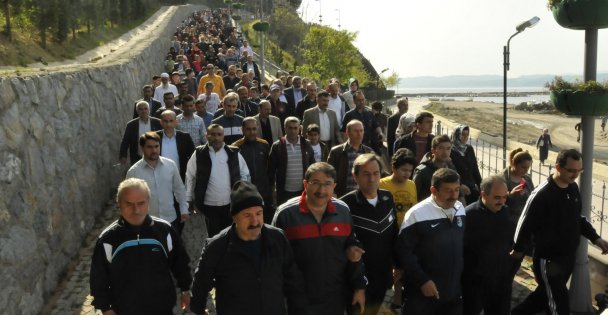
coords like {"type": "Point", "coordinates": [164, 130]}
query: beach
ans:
{"type": "Point", "coordinates": [523, 127]}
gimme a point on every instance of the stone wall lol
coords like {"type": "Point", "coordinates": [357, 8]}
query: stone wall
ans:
{"type": "Point", "coordinates": [59, 138]}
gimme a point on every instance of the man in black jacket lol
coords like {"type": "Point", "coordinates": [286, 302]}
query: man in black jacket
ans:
{"type": "Point", "coordinates": [439, 157]}
{"type": "Point", "coordinates": [130, 138]}
{"type": "Point", "coordinates": [419, 141]}
{"type": "Point", "coordinates": [177, 144]}
{"type": "Point", "coordinates": [552, 217]}
{"type": "Point", "coordinates": [255, 152]}
{"type": "Point", "coordinates": [430, 249]}
{"type": "Point", "coordinates": [375, 224]}
{"type": "Point", "coordinates": [250, 264]}
{"type": "Point", "coordinates": [147, 93]}
{"type": "Point", "coordinates": [487, 242]}
{"type": "Point", "coordinates": [135, 257]}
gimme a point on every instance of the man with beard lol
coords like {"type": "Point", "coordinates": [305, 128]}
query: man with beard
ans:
{"type": "Point", "coordinates": [163, 88]}
{"type": "Point", "coordinates": [255, 152]}
{"type": "Point", "coordinates": [269, 127]}
{"type": "Point", "coordinates": [169, 104]}
{"type": "Point", "coordinates": [320, 231]}
{"type": "Point", "coordinates": [230, 80]}
{"type": "Point", "coordinates": [250, 264]}
{"type": "Point", "coordinates": [248, 107]}
{"type": "Point", "coordinates": [162, 176]}
{"type": "Point", "coordinates": [212, 170]}
{"type": "Point", "coordinates": [229, 119]}
{"type": "Point", "coordinates": [295, 93]}
{"type": "Point", "coordinates": [309, 101]}
{"type": "Point", "coordinates": [430, 249]}
{"type": "Point", "coordinates": [218, 82]}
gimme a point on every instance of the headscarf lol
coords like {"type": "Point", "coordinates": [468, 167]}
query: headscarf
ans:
{"type": "Point", "coordinates": [404, 121]}
{"type": "Point", "coordinates": [457, 145]}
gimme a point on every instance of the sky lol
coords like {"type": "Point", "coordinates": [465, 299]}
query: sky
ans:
{"type": "Point", "coordinates": [447, 37]}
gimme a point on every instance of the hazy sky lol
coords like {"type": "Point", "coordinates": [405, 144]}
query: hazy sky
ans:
{"type": "Point", "coordinates": [447, 37]}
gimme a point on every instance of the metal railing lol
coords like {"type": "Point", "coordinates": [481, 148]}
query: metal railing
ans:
{"type": "Point", "coordinates": [490, 161]}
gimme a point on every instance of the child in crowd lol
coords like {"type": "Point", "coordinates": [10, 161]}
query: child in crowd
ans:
{"type": "Point", "coordinates": [313, 134]}
{"type": "Point", "coordinates": [399, 183]}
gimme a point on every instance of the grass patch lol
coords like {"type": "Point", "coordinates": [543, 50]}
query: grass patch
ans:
{"type": "Point", "coordinates": [285, 60]}
{"type": "Point", "coordinates": [25, 47]}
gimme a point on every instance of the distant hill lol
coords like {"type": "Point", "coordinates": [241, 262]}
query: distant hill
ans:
{"type": "Point", "coordinates": [464, 81]}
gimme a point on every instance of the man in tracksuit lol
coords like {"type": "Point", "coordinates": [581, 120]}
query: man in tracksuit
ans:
{"type": "Point", "coordinates": [135, 257]}
{"type": "Point", "coordinates": [552, 217]}
{"type": "Point", "coordinates": [487, 242]}
{"type": "Point", "coordinates": [320, 231]}
{"type": "Point", "coordinates": [430, 249]}
{"type": "Point", "coordinates": [375, 223]}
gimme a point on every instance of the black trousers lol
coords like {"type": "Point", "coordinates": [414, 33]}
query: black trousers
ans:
{"type": "Point", "coordinates": [268, 210]}
{"type": "Point", "coordinates": [418, 305]}
{"type": "Point", "coordinates": [217, 218]}
{"type": "Point", "coordinates": [551, 295]}
{"type": "Point", "coordinates": [492, 295]}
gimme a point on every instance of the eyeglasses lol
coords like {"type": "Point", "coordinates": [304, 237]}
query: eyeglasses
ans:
{"type": "Point", "coordinates": [573, 171]}
{"type": "Point", "coordinates": [318, 184]}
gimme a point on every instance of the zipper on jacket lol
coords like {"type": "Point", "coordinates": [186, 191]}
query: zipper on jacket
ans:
{"type": "Point", "coordinates": [137, 238]}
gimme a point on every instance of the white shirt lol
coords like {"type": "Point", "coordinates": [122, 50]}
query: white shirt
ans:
{"type": "Point", "coordinates": [169, 149]}
{"type": "Point", "coordinates": [324, 127]}
{"type": "Point", "coordinates": [335, 104]}
{"type": "Point", "coordinates": [316, 148]}
{"type": "Point", "coordinates": [164, 183]}
{"type": "Point", "coordinates": [213, 103]}
{"type": "Point", "coordinates": [160, 91]}
{"type": "Point", "coordinates": [218, 188]}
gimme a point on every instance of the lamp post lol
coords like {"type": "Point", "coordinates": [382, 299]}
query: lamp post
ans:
{"type": "Point", "coordinates": [519, 28]}
{"type": "Point", "coordinates": [338, 19]}
{"type": "Point", "coordinates": [320, 10]}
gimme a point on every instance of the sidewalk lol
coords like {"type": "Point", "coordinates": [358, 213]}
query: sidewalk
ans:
{"type": "Point", "coordinates": [72, 295]}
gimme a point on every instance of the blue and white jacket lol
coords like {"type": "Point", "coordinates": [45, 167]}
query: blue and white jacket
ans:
{"type": "Point", "coordinates": [132, 265]}
{"type": "Point", "coordinates": [430, 247]}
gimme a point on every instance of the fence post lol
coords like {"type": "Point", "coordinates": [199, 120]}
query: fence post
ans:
{"type": "Point", "coordinates": [496, 159]}
{"type": "Point", "coordinates": [438, 128]}
{"type": "Point", "coordinates": [602, 210]}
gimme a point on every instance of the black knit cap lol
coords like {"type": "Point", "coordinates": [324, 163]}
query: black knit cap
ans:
{"type": "Point", "coordinates": [244, 195]}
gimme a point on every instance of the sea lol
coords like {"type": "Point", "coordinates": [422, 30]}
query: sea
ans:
{"type": "Point", "coordinates": [532, 94]}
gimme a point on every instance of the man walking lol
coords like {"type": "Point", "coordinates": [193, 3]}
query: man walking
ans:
{"type": "Point", "coordinates": [393, 122]}
{"type": "Point", "coordinates": [342, 157]}
{"type": "Point", "coordinates": [162, 176]}
{"type": "Point", "coordinates": [320, 231]}
{"type": "Point", "coordinates": [135, 257]}
{"type": "Point", "coordinates": [255, 151]}
{"type": "Point", "coordinates": [375, 224]}
{"type": "Point", "coordinates": [135, 128]}
{"type": "Point", "coordinates": [212, 171]}
{"type": "Point", "coordinates": [430, 249]}
{"type": "Point", "coordinates": [486, 277]}
{"type": "Point", "coordinates": [289, 158]}
{"type": "Point", "coordinates": [552, 217]}
{"type": "Point", "coordinates": [250, 264]}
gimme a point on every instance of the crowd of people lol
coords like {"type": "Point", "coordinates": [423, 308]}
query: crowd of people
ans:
{"type": "Point", "coordinates": [302, 214]}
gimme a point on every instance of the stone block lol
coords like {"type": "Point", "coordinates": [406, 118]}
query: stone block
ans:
{"type": "Point", "coordinates": [10, 167]}
{"type": "Point", "coordinates": [14, 133]}
{"type": "Point", "coordinates": [7, 95]}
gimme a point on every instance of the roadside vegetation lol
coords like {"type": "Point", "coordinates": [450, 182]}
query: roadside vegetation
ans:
{"type": "Point", "coordinates": [54, 30]}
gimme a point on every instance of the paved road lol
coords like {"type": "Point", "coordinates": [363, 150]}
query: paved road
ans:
{"type": "Point", "coordinates": [72, 296]}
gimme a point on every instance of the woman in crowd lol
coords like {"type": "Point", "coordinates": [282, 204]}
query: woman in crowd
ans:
{"type": "Point", "coordinates": [463, 157]}
{"type": "Point", "coordinates": [543, 144]}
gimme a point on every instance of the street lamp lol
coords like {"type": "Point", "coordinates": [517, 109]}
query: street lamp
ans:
{"type": "Point", "coordinates": [519, 28]}
{"type": "Point", "coordinates": [320, 10]}
{"type": "Point", "coordinates": [338, 19]}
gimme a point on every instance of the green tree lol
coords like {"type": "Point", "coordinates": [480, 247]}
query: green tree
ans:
{"type": "Point", "coordinates": [391, 80]}
{"type": "Point", "coordinates": [328, 53]}
{"type": "Point", "coordinates": [286, 28]}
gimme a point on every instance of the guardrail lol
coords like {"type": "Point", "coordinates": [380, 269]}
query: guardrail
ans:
{"type": "Point", "coordinates": [490, 161]}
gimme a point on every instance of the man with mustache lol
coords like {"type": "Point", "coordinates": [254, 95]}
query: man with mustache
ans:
{"type": "Point", "coordinates": [320, 230]}
{"type": "Point", "coordinates": [250, 264]}
{"type": "Point", "coordinates": [430, 249]}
